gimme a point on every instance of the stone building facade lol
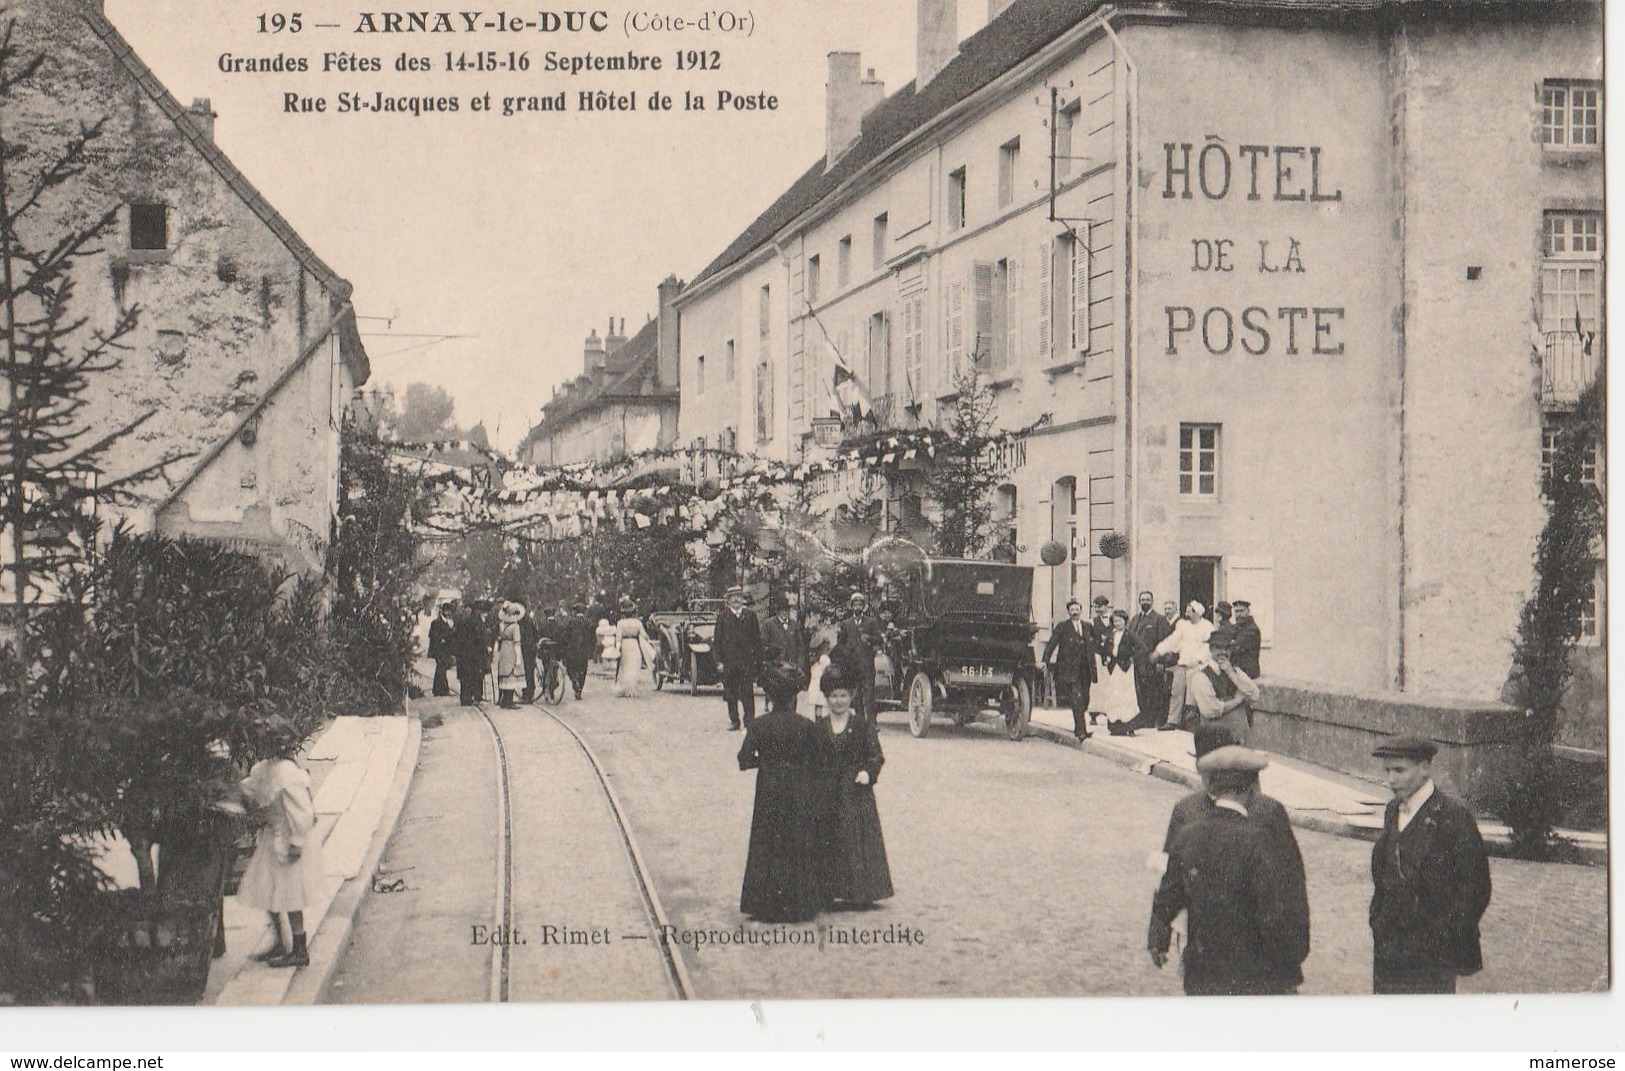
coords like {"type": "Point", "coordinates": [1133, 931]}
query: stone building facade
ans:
{"type": "Point", "coordinates": [245, 351]}
{"type": "Point", "coordinates": [1294, 342]}
{"type": "Point", "coordinates": [623, 403]}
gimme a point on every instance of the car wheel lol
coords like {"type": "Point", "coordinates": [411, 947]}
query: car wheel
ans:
{"type": "Point", "coordinates": [1018, 711]}
{"type": "Point", "coordinates": [920, 701]}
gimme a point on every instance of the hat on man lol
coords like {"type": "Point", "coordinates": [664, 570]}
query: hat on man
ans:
{"type": "Point", "coordinates": [1406, 747]}
{"type": "Point", "coordinates": [1241, 604]}
{"type": "Point", "coordinates": [1232, 757]}
{"type": "Point", "coordinates": [858, 596]}
{"type": "Point", "coordinates": [735, 590]}
{"type": "Point", "coordinates": [1209, 738]}
{"type": "Point", "coordinates": [777, 602]}
{"type": "Point", "coordinates": [1223, 638]}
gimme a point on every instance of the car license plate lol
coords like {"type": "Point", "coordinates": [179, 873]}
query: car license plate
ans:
{"type": "Point", "coordinates": [978, 675]}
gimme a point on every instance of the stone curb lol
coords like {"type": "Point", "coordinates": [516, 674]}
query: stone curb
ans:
{"type": "Point", "coordinates": [1494, 844]}
{"type": "Point", "coordinates": [331, 937]}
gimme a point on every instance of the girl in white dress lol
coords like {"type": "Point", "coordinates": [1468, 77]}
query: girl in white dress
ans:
{"type": "Point", "coordinates": [286, 874]}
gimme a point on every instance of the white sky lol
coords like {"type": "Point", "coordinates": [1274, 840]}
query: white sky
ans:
{"type": "Point", "coordinates": [525, 231]}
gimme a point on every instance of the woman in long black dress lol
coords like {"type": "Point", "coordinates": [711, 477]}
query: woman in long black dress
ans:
{"type": "Point", "coordinates": [781, 880]}
{"type": "Point", "coordinates": [851, 851]}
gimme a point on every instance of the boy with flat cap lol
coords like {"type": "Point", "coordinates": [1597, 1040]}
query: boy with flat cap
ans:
{"type": "Point", "coordinates": [1266, 810]}
{"type": "Point", "coordinates": [1431, 879]}
{"type": "Point", "coordinates": [1242, 888]}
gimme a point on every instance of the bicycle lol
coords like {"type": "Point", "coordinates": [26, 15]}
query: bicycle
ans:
{"type": "Point", "coordinates": [552, 672]}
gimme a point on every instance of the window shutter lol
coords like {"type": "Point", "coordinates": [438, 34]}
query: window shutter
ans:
{"type": "Point", "coordinates": [981, 340]}
{"type": "Point", "coordinates": [885, 385]}
{"type": "Point", "coordinates": [1045, 300]}
{"type": "Point", "coordinates": [954, 352]}
{"type": "Point", "coordinates": [1080, 291]}
{"type": "Point", "coordinates": [1012, 314]}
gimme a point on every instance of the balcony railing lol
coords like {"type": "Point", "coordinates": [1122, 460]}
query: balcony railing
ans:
{"type": "Point", "coordinates": [1567, 366]}
{"type": "Point", "coordinates": [898, 410]}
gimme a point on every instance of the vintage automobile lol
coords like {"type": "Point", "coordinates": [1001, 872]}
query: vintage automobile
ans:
{"type": "Point", "coordinates": [684, 641]}
{"type": "Point", "coordinates": [961, 645]}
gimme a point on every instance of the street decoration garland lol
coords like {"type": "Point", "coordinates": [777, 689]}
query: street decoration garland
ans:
{"type": "Point", "coordinates": [497, 494]}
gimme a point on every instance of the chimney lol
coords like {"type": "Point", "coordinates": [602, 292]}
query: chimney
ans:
{"type": "Point", "coordinates": [203, 116]}
{"type": "Point", "coordinates": [592, 359]}
{"type": "Point", "coordinates": [938, 40]}
{"type": "Point", "coordinates": [666, 365]}
{"type": "Point", "coordinates": [614, 339]}
{"type": "Point", "coordinates": [843, 105]}
{"type": "Point", "coordinates": [995, 8]}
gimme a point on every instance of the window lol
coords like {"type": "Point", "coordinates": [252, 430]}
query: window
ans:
{"type": "Point", "coordinates": [1591, 609]}
{"type": "Point", "coordinates": [882, 222]}
{"type": "Point", "coordinates": [699, 374]}
{"type": "Point", "coordinates": [814, 277]}
{"type": "Point", "coordinates": [1066, 122]}
{"type": "Point", "coordinates": [728, 360]}
{"type": "Point", "coordinates": [1199, 460]}
{"type": "Point", "coordinates": [764, 315]}
{"type": "Point", "coordinates": [1571, 115]}
{"type": "Point", "coordinates": [956, 199]}
{"type": "Point", "coordinates": [149, 226]}
{"type": "Point", "coordinates": [879, 371]}
{"type": "Point", "coordinates": [1570, 303]}
{"type": "Point", "coordinates": [1009, 159]}
{"type": "Point", "coordinates": [1004, 341]}
{"type": "Point", "coordinates": [843, 262]}
{"type": "Point", "coordinates": [1551, 438]}
{"type": "Point", "coordinates": [1078, 301]}
{"type": "Point", "coordinates": [914, 346]}
{"type": "Point", "coordinates": [764, 400]}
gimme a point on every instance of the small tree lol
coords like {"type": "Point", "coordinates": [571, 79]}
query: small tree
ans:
{"type": "Point", "coordinates": [375, 568]}
{"type": "Point", "coordinates": [51, 477]}
{"type": "Point", "coordinates": [966, 473]}
{"type": "Point", "coordinates": [1549, 626]}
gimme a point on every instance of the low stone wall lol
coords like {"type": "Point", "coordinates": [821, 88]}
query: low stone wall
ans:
{"type": "Point", "coordinates": [1476, 740]}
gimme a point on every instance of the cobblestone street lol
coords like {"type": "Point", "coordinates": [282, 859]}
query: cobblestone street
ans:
{"type": "Point", "coordinates": [1022, 865]}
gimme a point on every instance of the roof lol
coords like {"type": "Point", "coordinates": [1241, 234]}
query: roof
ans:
{"type": "Point", "coordinates": [1020, 32]}
{"type": "Point", "coordinates": [631, 373]}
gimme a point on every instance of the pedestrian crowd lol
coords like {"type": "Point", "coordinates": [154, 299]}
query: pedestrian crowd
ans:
{"type": "Point", "coordinates": [523, 651]}
{"type": "Point", "coordinates": [1231, 886]}
{"type": "Point", "coordinates": [1155, 670]}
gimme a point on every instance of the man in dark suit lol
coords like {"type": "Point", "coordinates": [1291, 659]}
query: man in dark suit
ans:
{"type": "Point", "coordinates": [737, 647]}
{"type": "Point", "coordinates": [857, 637]}
{"type": "Point", "coordinates": [1242, 888]}
{"type": "Point", "coordinates": [529, 633]}
{"type": "Point", "coordinates": [784, 656]}
{"type": "Point", "coordinates": [472, 645]}
{"type": "Point", "coordinates": [1145, 630]}
{"type": "Point", "coordinates": [580, 642]}
{"type": "Point", "coordinates": [443, 646]}
{"type": "Point", "coordinates": [1249, 641]}
{"type": "Point", "coordinates": [1071, 650]}
{"type": "Point", "coordinates": [1431, 879]}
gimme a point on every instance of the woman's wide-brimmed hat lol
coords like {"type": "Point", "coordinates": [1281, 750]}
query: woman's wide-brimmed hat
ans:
{"type": "Point", "coordinates": [511, 611]}
{"type": "Point", "coordinates": [627, 605]}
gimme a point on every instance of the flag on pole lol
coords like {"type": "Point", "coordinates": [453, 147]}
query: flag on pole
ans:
{"type": "Point", "coordinates": [849, 391]}
{"type": "Point", "coordinates": [1586, 337]}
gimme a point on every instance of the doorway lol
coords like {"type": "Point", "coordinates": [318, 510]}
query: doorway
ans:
{"type": "Point", "coordinates": [1199, 580]}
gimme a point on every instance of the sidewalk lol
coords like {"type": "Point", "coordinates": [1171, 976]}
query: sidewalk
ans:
{"type": "Point", "coordinates": [1316, 797]}
{"type": "Point", "coordinates": [360, 770]}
